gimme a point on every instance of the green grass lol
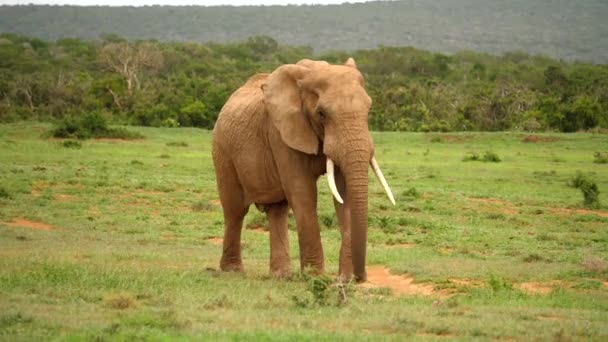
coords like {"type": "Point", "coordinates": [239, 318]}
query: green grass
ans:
{"type": "Point", "coordinates": [128, 254]}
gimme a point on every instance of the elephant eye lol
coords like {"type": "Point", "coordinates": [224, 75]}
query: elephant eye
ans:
{"type": "Point", "coordinates": [322, 115]}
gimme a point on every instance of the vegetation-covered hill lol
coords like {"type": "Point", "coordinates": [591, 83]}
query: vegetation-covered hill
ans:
{"type": "Point", "coordinates": [154, 83]}
{"type": "Point", "coordinates": [558, 28]}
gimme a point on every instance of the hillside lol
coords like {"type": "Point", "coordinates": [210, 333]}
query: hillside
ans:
{"type": "Point", "coordinates": [558, 28]}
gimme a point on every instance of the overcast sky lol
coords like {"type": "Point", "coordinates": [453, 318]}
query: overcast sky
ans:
{"type": "Point", "coordinates": [173, 2]}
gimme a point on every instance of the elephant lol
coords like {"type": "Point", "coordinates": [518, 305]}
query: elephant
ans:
{"type": "Point", "coordinates": [274, 137]}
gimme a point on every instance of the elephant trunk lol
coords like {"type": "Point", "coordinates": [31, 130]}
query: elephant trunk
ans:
{"type": "Point", "coordinates": [356, 176]}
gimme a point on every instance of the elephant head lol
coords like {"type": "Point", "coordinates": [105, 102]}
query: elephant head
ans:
{"type": "Point", "coordinates": [323, 108]}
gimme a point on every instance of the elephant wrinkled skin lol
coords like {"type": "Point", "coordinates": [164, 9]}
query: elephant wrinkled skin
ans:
{"type": "Point", "coordinates": [275, 136]}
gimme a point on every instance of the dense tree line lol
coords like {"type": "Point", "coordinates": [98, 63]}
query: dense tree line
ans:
{"type": "Point", "coordinates": [185, 84]}
{"type": "Point", "coordinates": [565, 29]}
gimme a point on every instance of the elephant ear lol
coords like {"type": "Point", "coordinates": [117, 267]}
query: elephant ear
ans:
{"type": "Point", "coordinates": [284, 106]}
{"type": "Point", "coordinates": [350, 62]}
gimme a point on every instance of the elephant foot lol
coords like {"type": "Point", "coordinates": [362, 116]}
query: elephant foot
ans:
{"type": "Point", "coordinates": [361, 278]}
{"type": "Point", "coordinates": [234, 266]}
{"type": "Point", "coordinates": [345, 277]}
{"type": "Point", "coordinates": [282, 273]}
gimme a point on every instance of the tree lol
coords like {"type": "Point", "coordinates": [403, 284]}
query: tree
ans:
{"type": "Point", "coordinates": [130, 61]}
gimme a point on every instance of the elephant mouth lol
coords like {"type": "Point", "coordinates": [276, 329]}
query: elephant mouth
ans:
{"type": "Point", "coordinates": [331, 179]}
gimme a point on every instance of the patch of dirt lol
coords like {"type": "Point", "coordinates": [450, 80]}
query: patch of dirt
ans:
{"type": "Point", "coordinates": [542, 288]}
{"type": "Point", "coordinates": [605, 283]}
{"type": "Point", "coordinates": [465, 282]}
{"type": "Point", "coordinates": [579, 211]}
{"type": "Point", "coordinates": [150, 192]}
{"type": "Point", "coordinates": [402, 245]}
{"type": "Point", "coordinates": [216, 241]}
{"type": "Point", "coordinates": [538, 139]}
{"type": "Point", "coordinates": [62, 198]}
{"type": "Point", "coordinates": [215, 202]}
{"type": "Point", "coordinates": [258, 229]}
{"type": "Point", "coordinates": [380, 276]}
{"type": "Point", "coordinates": [547, 317]}
{"type": "Point", "coordinates": [23, 223]}
{"type": "Point", "coordinates": [504, 207]}
{"type": "Point", "coordinates": [38, 187]}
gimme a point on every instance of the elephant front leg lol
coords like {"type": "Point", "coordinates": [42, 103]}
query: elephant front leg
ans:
{"type": "Point", "coordinates": [345, 269]}
{"type": "Point", "coordinates": [304, 204]}
{"type": "Point", "coordinates": [280, 265]}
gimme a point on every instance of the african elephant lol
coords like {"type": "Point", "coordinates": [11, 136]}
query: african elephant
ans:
{"type": "Point", "coordinates": [274, 137]}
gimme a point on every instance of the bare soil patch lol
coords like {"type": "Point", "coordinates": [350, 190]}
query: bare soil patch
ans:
{"type": "Point", "coordinates": [216, 241]}
{"type": "Point", "coordinates": [579, 211]}
{"type": "Point", "coordinates": [258, 229]}
{"type": "Point", "coordinates": [535, 287]}
{"type": "Point", "coordinates": [401, 245]}
{"type": "Point", "coordinates": [215, 202]}
{"type": "Point", "coordinates": [62, 198]}
{"type": "Point", "coordinates": [465, 282]}
{"type": "Point", "coordinates": [23, 223]}
{"type": "Point", "coordinates": [502, 206]}
{"type": "Point", "coordinates": [381, 277]}
{"type": "Point", "coordinates": [538, 139]}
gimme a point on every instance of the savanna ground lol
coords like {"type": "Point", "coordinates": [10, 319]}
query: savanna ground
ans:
{"type": "Point", "coordinates": [121, 239]}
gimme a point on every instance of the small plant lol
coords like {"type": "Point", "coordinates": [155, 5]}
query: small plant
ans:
{"type": "Point", "coordinates": [600, 157]}
{"type": "Point", "coordinates": [498, 284]}
{"type": "Point", "coordinates": [72, 144]}
{"type": "Point", "coordinates": [322, 290]}
{"type": "Point", "coordinates": [471, 156]}
{"type": "Point", "coordinates": [177, 144]}
{"type": "Point", "coordinates": [202, 206]}
{"type": "Point", "coordinates": [164, 156]}
{"type": "Point", "coordinates": [595, 264]}
{"type": "Point", "coordinates": [120, 301]}
{"type": "Point", "coordinates": [491, 157]}
{"type": "Point", "coordinates": [327, 220]}
{"type": "Point", "coordinates": [534, 257]}
{"type": "Point", "coordinates": [589, 189]}
{"type": "Point", "coordinates": [411, 192]}
{"type": "Point", "coordinates": [4, 193]}
{"type": "Point", "coordinates": [488, 156]}
{"type": "Point", "coordinates": [136, 162]}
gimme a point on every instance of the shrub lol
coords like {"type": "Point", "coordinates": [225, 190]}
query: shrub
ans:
{"type": "Point", "coordinates": [90, 125]}
{"type": "Point", "coordinates": [4, 193]}
{"type": "Point", "coordinates": [471, 156]}
{"type": "Point", "coordinates": [411, 192]}
{"type": "Point", "coordinates": [589, 189]}
{"type": "Point", "coordinates": [72, 144]}
{"type": "Point", "coordinates": [488, 156]}
{"type": "Point", "coordinates": [177, 144]}
{"type": "Point", "coordinates": [600, 157]}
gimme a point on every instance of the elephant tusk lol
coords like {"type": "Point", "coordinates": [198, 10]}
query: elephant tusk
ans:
{"type": "Point", "coordinates": [332, 181]}
{"type": "Point", "coordinates": [381, 178]}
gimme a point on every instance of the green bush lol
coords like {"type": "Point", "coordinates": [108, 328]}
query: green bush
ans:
{"type": "Point", "coordinates": [90, 125]}
{"type": "Point", "coordinates": [72, 144]}
{"type": "Point", "coordinates": [488, 157]}
{"type": "Point", "coordinates": [4, 193]}
{"type": "Point", "coordinates": [600, 157]}
{"type": "Point", "coordinates": [589, 189]}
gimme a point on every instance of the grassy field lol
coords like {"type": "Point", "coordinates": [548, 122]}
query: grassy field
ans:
{"type": "Point", "coordinates": [120, 240]}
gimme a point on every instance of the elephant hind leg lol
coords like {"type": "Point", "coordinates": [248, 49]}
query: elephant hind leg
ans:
{"type": "Point", "coordinates": [280, 265]}
{"type": "Point", "coordinates": [232, 198]}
